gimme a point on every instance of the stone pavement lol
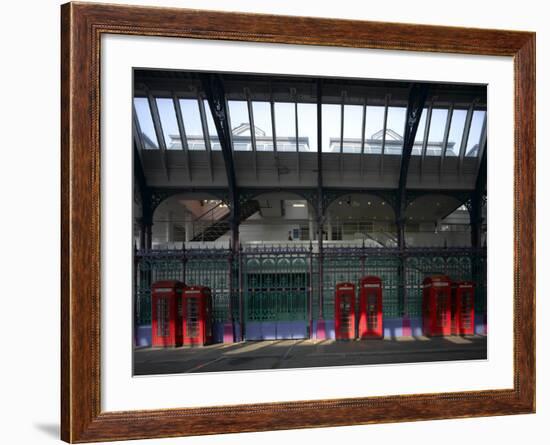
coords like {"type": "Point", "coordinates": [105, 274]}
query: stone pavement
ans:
{"type": "Point", "coordinates": [280, 354]}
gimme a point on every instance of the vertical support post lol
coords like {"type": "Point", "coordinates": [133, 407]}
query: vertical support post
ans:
{"type": "Point", "coordinates": [147, 221]}
{"type": "Point", "coordinates": [401, 272]}
{"type": "Point", "coordinates": [241, 294]}
{"type": "Point", "coordinates": [229, 331]}
{"type": "Point", "coordinates": [215, 94]}
{"type": "Point", "coordinates": [320, 331]}
{"type": "Point", "coordinates": [142, 234]}
{"type": "Point", "coordinates": [417, 98]}
{"type": "Point", "coordinates": [311, 224]}
{"type": "Point", "coordinates": [310, 293]}
{"type": "Point", "coordinates": [136, 302]}
{"type": "Point", "coordinates": [170, 227]}
{"type": "Point", "coordinates": [184, 264]}
{"type": "Point", "coordinates": [476, 226]}
{"type": "Point", "coordinates": [363, 257]}
{"type": "Point", "coordinates": [149, 236]}
{"type": "Point", "coordinates": [188, 227]}
{"type": "Point", "coordinates": [476, 216]}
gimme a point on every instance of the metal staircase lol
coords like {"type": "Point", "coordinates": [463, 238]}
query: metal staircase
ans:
{"type": "Point", "coordinates": [221, 225]}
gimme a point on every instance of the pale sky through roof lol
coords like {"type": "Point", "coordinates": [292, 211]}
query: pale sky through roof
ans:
{"type": "Point", "coordinates": [307, 121]}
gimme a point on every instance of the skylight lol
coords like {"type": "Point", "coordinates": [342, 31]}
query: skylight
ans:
{"type": "Point", "coordinates": [344, 128]}
{"type": "Point", "coordinates": [353, 127]}
{"type": "Point", "coordinates": [262, 121]}
{"type": "Point", "coordinates": [192, 124]}
{"type": "Point", "coordinates": [212, 133]}
{"type": "Point", "coordinates": [458, 119]}
{"type": "Point", "coordinates": [146, 126]}
{"type": "Point", "coordinates": [169, 124]}
{"type": "Point", "coordinates": [240, 123]}
{"type": "Point", "coordinates": [307, 127]}
{"type": "Point", "coordinates": [474, 137]}
{"type": "Point", "coordinates": [436, 132]}
{"type": "Point", "coordinates": [285, 126]}
{"type": "Point", "coordinates": [331, 117]}
{"type": "Point", "coordinates": [374, 127]}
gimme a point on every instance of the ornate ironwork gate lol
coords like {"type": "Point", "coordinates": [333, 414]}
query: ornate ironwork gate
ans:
{"type": "Point", "coordinates": [274, 285]}
{"type": "Point", "coordinates": [276, 289]}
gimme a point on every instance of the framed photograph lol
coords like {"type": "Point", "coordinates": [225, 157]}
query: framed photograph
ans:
{"type": "Point", "coordinates": [275, 222]}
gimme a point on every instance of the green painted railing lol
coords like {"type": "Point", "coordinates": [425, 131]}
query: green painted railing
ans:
{"type": "Point", "coordinates": [283, 285]}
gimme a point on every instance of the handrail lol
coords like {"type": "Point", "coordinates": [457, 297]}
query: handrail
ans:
{"type": "Point", "coordinates": [201, 217]}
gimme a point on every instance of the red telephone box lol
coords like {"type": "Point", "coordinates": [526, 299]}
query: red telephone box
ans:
{"type": "Point", "coordinates": [436, 305]}
{"type": "Point", "coordinates": [166, 313]}
{"type": "Point", "coordinates": [463, 308]}
{"type": "Point", "coordinates": [344, 311]}
{"type": "Point", "coordinates": [370, 308]}
{"type": "Point", "coordinates": [197, 315]}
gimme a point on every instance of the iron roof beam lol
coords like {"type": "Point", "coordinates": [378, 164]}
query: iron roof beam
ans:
{"type": "Point", "coordinates": [252, 130]}
{"type": "Point", "coordinates": [158, 132]}
{"type": "Point", "coordinates": [465, 135]}
{"type": "Point", "coordinates": [384, 129]}
{"type": "Point", "coordinates": [445, 139]}
{"type": "Point", "coordinates": [482, 143]}
{"type": "Point", "coordinates": [296, 130]}
{"type": "Point", "coordinates": [183, 136]}
{"type": "Point", "coordinates": [426, 137]}
{"type": "Point", "coordinates": [363, 129]}
{"type": "Point", "coordinates": [206, 132]}
{"type": "Point", "coordinates": [274, 132]}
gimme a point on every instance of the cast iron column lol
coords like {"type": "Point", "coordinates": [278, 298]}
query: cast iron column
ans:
{"type": "Point", "coordinates": [215, 94]}
{"type": "Point", "coordinates": [417, 99]}
{"type": "Point", "coordinates": [320, 331]}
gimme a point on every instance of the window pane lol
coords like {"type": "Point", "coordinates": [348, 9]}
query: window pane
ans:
{"type": "Point", "coordinates": [353, 124]}
{"type": "Point", "coordinates": [146, 123]}
{"type": "Point", "coordinates": [394, 130]}
{"type": "Point", "coordinates": [307, 127]}
{"type": "Point", "coordinates": [262, 121]}
{"type": "Point", "coordinates": [192, 124]}
{"type": "Point", "coordinates": [437, 131]}
{"type": "Point", "coordinates": [456, 132]}
{"type": "Point", "coordinates": [240, 123]}
{"type": "Point", "coordinates": [374, 127]}
{"type": "Point", "coordinates": [169, 123]}
{"type": "Point", "coordinates": [285, 126]}
{"type": "Point", "coordinates": [419, 138]}
{"type": "Point", "coordinates": [472, 147]}
{"type": "Point", "coordinates": [331, 116]}
{"type": "Point", "coordinates": [214, 140]}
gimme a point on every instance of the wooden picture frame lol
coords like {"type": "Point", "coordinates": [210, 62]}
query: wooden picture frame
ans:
{"type": "Point", "coordinates": [82, 26]}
